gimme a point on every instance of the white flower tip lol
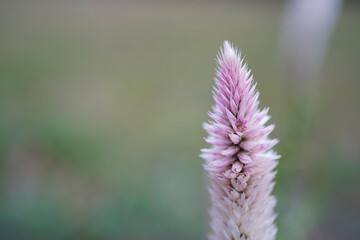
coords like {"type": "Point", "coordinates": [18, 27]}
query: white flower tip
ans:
{"type": "Point", "coordinates": [229, 51]}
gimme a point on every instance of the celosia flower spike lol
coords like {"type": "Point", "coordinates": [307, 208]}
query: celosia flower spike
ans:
{"type": "Point", "coordinates": [240, 162]}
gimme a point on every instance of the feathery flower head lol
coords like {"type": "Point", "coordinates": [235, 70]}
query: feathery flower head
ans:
{"type": "Point", "coordinates": [240, 162]}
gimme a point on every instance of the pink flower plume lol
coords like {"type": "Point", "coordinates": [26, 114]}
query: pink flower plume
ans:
{"type": "Point", "coordinates": [240, 162]}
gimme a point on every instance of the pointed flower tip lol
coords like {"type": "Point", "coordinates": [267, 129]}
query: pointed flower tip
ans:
{"type": "Point", "coordinates": [229, 51]}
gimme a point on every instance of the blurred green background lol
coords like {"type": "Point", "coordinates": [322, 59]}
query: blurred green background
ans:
{"type": "Point", "coordinates": [101, 106]}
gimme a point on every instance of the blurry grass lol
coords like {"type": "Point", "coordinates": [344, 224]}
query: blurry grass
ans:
{"type": "Point", "coordinates": [107, 100]}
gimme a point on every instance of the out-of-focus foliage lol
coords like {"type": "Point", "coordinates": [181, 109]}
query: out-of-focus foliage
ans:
{"type": "Point", "coordinates": [101, 107]}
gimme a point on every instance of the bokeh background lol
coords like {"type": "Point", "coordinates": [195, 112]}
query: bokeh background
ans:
{"type": "Point", "coordinates": [101, 105]}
